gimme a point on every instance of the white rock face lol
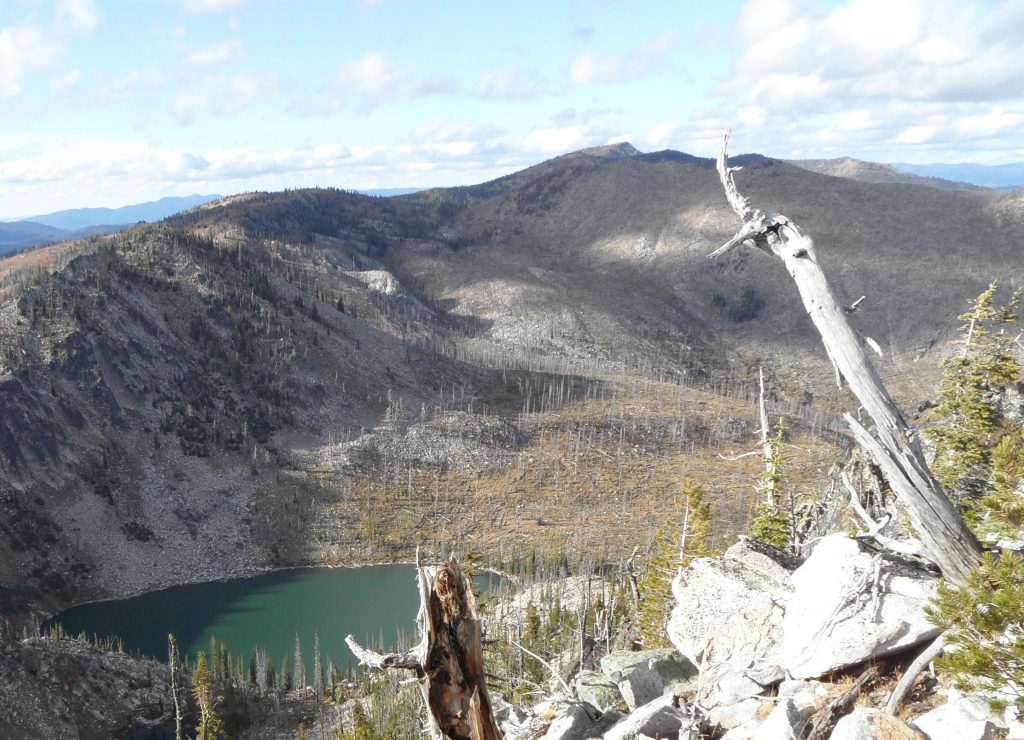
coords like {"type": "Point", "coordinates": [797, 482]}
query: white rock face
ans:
{"type": "Point", "coordinates": [962, 717]}
{"type": "Point", "coordinates": [849, 606]}
{"type": "Point", "coordinates": [857, 725]}
{"type": "Point", "coordinates": [574, 722]}
{"type": "Point", "coordinates": [786, 722]}
{"type": "Point", "coordinates": [741, 714]}
{"type": "Point", "coordinates": [711, 589]}
{"type": "Point", "coordinates": [657, 719]}
{"type": "Point", "coordinates": [597, 689]}
{"type": "Point", "coordinates": [645, 675]}
{"type": "Point", "coordinates": [740, 654]}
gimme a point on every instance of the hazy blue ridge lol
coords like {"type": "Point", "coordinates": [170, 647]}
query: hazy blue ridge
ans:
{"type": "Point", "coordinates": [990, 176]}
{"type": "Point", "coordinates": [81, 218]}
{"type": "Point", "coordinates": [16, 234]}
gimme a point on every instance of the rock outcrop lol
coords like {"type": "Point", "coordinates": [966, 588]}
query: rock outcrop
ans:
{"type": "Point", "coordinates": [64, 690]}
{"type": "Point", "coordinates": [850, 606]}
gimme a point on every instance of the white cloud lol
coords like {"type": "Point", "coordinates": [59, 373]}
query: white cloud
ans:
{"type": "Point", "coordinates": [22, 49]}
{"type": "Point", "coordinates": [593, 66]}
{"type": "Point", "coordinates": [228, 50]}
{"type": "Point", "coordinates": [130, 85]}
{"type": "Point", "coordinates": [817, 54]}
{"type": "Point", "coordinates": [77, 16]}
{"type": "Point", "coordinates": [66, 81]}
{"type": "Point", "coordinates": [211, 6]}
{"type": "Point", "coordinates": [554, 139]}
{"type": "Point", "coordinates": [373, 80]}
{"type": "Point", "coordinates": [913, 80]}
{"type": "Point", "coordinates": [510, 83]}
{"type": "Point", "coordinates": [661, 135]}
{"type": "Point", "coordinates": [223, 94]}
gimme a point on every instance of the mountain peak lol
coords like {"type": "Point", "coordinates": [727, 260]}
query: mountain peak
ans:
{"type": "Point", "coordinates": [619, 150]}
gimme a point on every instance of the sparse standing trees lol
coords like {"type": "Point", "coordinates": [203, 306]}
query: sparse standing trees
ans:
{"type": "Point", "coordinates": [668, 555]}
{"type": "Point", "coordinates": [971, 427]}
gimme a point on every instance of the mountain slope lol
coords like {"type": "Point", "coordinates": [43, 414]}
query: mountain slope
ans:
{"type": "Point", "coordinates": [519, 366]}
{"type": "Point", "coordinates": [874, 172]}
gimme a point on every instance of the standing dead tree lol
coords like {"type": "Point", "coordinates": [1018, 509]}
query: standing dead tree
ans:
{"type": "Point", "coordinates": [893, 443]}
{"type": "Point", "coordinates": [448, 661]}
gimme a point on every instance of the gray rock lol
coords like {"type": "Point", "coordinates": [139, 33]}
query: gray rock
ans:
{"type": "Point", "coordinates": [786, 722]}
{"type": "Point", "coordinates": [597, 689]}
{"type": "Point", "coordinates": [731, 716]}
{"type": "Point", "coordinates": [742, 732]}
{"type": "Point", "coordinates": [857, 725]}
{"type": "Point", "coordinates": [647, 674]}
{"type": "Point", "coordinates": [740, 655]}
{"type": "Point", "coordinates": [962, 717]}
{"type": "Point", "coordinates": [805, 694]}
{"type": "Point", "coordinates": [710, 589]}
{"type": "Point", "coordinates": [869, 724]}
{"type": "Point", "coordinates": [660, 718]}
{"type": "Point", "coordinates": [849, 606]}
{"type": "Point", "coordinates": [576, 721]}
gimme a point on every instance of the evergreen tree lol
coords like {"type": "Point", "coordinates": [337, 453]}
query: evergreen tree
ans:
{"type": "Point", "coordinates": [532, 631]}
{"type": "Point", "coordinates": [984, 623]}
{"type": "Point", "coordinates": [209, 726]}
{"type": "Point", "coordinates": [668, 555]}
{"type": "Point", "coordinates": [771, 523]}
{"type": "Point", "coordinates": [970, 423]}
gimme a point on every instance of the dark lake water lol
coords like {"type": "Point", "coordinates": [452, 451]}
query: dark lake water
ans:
{"type": "Point", "coordinates": [377, 604]}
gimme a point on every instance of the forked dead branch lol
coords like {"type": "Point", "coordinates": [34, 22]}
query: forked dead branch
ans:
{"type": "Point", "coordinates": [893, 443]}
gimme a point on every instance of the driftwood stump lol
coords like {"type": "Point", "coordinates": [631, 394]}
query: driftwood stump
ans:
{"type": "Point", "coordinates": [893, 443]}
{"type": "Point", "coordinates": [448, 661]}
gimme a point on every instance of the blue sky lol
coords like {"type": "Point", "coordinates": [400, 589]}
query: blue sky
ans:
{"type": "Point", "coordinates": [107, 102]}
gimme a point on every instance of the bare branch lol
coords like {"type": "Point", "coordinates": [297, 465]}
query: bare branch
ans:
{"type": "Point", "coordinates": [912, 548]}
{"type": "Point", "coordinates": [927, 655]}
{"type": "Point", "coordinates": [569, 691]}
{"type": "Point", "coordinates": [855, 305]}
{"type": "Point", "coordinates": [739, 204]}
{"type": "Point", "coordinates": [409, 660]}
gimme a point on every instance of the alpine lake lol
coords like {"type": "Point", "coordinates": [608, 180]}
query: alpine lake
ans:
{"type": "Point", "coordinates": [377, 604]}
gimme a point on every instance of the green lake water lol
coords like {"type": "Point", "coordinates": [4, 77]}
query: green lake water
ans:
{"type": "Point", "coordinates": [377, 604]}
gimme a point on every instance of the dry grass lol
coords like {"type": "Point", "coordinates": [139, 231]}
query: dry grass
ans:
{"type": "Point", "coordinates": [594, 478]}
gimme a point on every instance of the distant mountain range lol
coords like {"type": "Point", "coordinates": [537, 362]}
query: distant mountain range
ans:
{"type": "Point", "coordinates": [79, 218]}
{"type": "Point", "coordinates": [79, 222]}
{"type": "Point", "coordinates": [1001, 176]}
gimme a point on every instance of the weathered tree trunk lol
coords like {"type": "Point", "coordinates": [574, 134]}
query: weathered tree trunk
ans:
{"type": "Point", "coordinates": [175, 665]}
{"type": "Point", "coordinates": [448, 661]}
{"type": "Point", "coordinates": [894, 444]}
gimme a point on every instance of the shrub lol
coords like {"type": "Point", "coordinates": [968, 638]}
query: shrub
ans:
{"type": "Point", "coordinates": [984, 625]}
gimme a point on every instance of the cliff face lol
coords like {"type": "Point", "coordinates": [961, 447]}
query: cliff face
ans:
{"type": "Point", "coordinates": [67, 689]}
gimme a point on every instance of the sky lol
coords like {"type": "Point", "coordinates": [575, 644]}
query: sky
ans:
{"type": "Point", "coordinates": [110, 102]}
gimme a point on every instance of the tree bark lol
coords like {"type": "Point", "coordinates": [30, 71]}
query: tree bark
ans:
{"type": "Point", "coordinates": [448, 660]}
{"type": "Point", "coordinates": [175, 665]}
{"type": "Point", "coordinates": [894, 444]}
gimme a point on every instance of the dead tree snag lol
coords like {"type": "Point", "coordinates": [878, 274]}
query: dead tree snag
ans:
{"type": "Point", "coordinates": [448, 661]}
{"type": "Point", "coordinates": [893, 443]}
